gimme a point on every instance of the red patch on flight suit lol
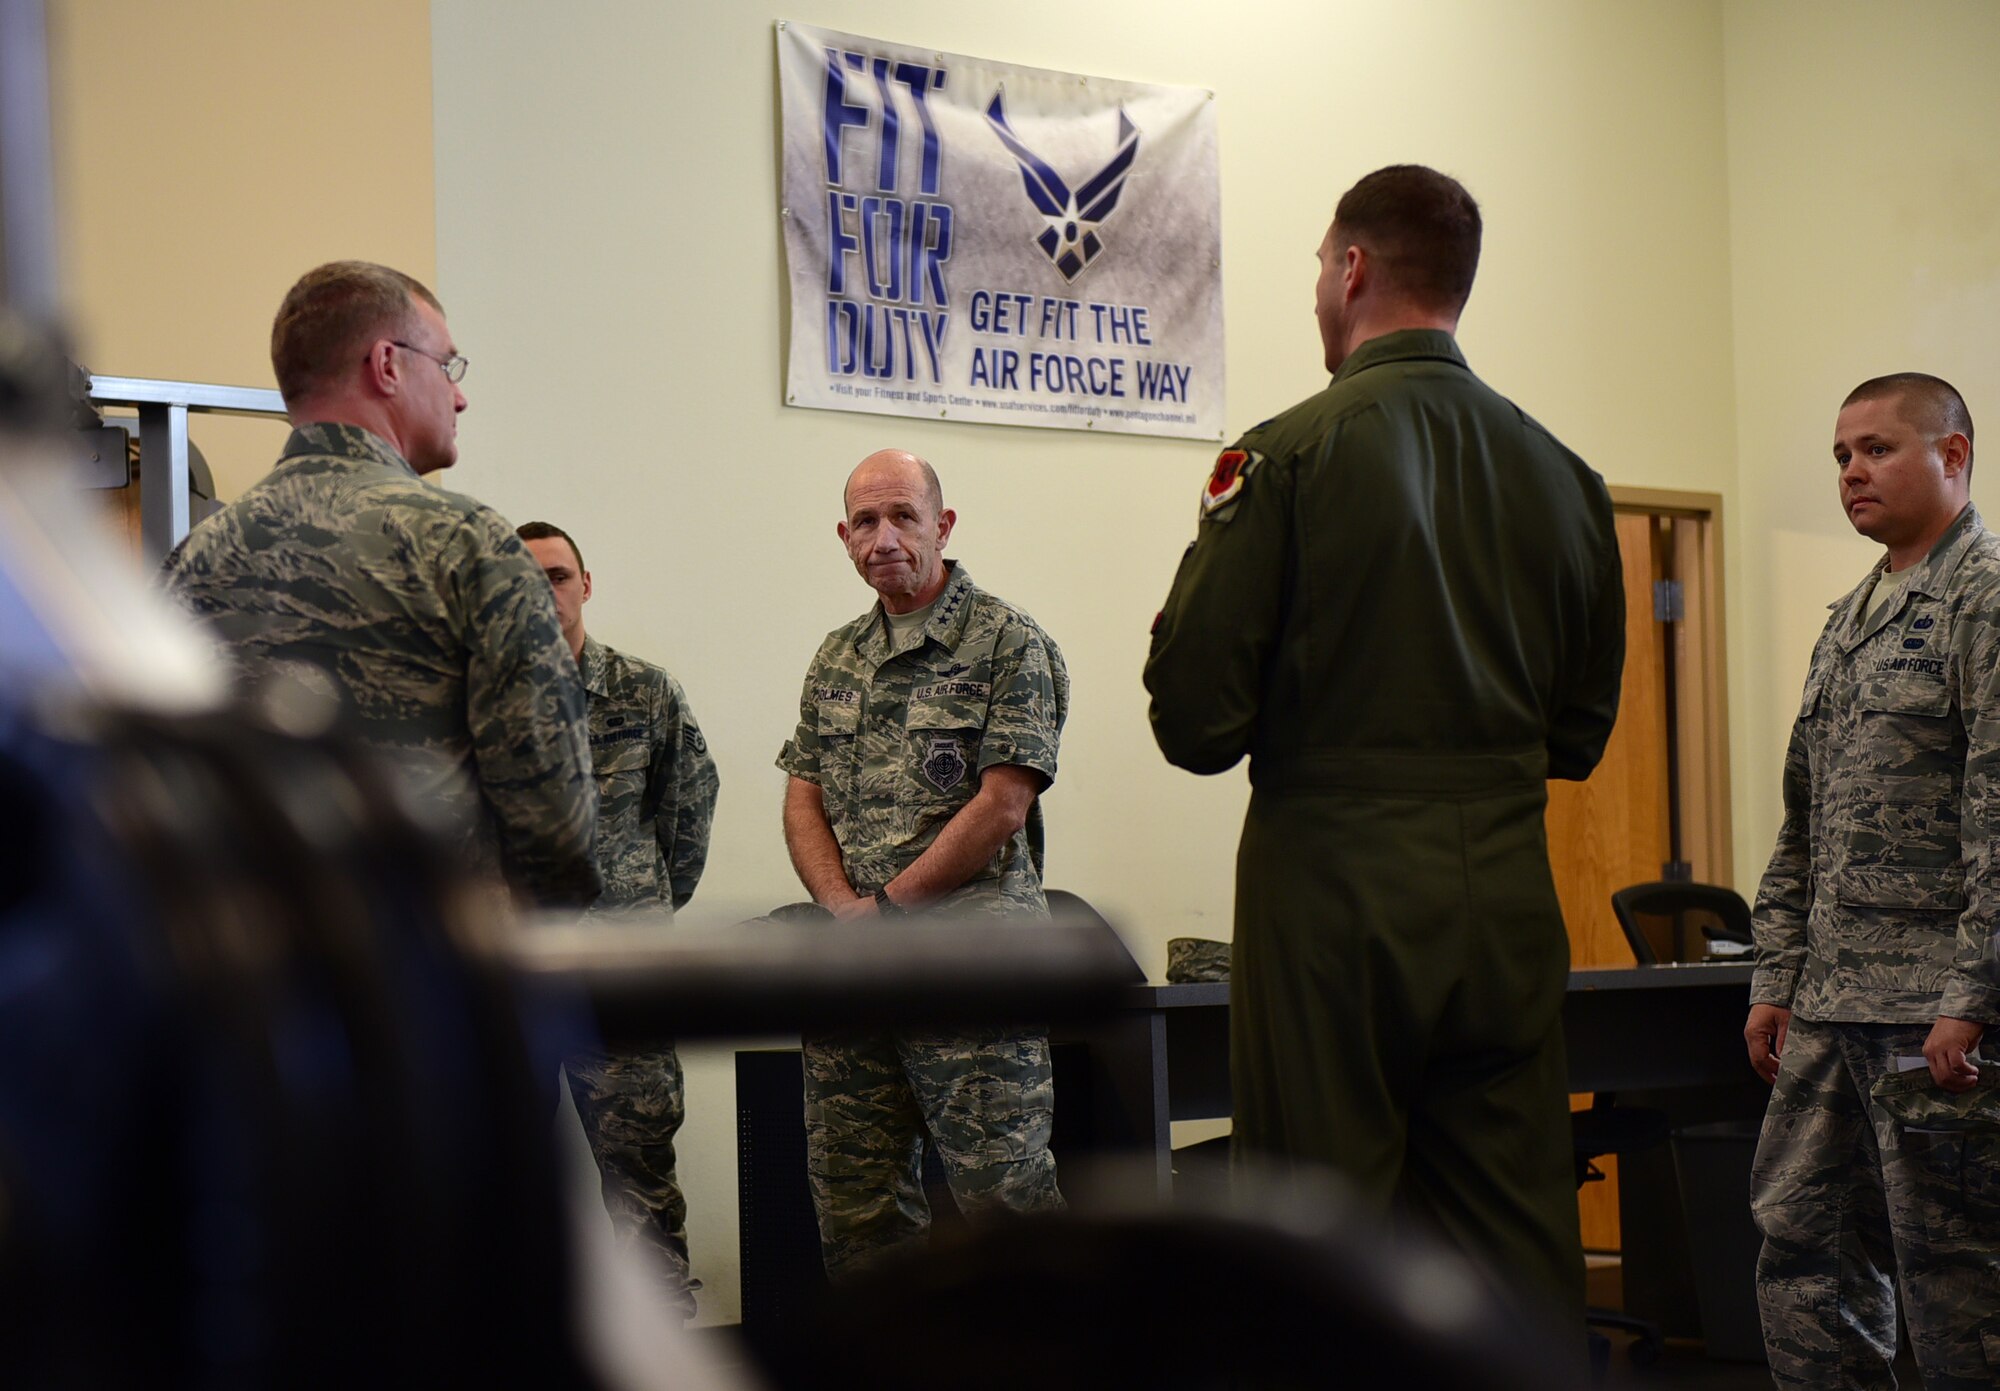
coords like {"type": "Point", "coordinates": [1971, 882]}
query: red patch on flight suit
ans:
{"type": "Point", "coordinates": [1232, 468]}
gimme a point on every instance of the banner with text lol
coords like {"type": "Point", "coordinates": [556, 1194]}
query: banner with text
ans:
{"type": "Point", "coordinates": [976, 241]}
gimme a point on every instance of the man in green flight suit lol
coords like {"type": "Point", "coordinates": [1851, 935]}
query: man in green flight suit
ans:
{"type": "Point", "coordinates": [1404, 603]}
{"type": "Point", "coordinates": [927, 734]}
{"type": "Point", "coordinates": [1878, 970]}
{"type": "Point", "coordinates": [656, 790]}
{"type": "Point", "coordinates": [415, 609]}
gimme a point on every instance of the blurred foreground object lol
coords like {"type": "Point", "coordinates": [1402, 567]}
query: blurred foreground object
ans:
{"type": "Point", "coordinates": [1284, 1285]}
{"type": "Point", "coordinates": [797, 969]}
{"type": "Point", "coordinates": [75, 618]}
{"type": "Point", "coordinates": [262, 1112]}
{"type": "Point", "coordinates": [268, 1117]}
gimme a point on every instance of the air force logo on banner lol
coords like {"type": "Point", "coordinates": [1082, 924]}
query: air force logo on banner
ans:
{"type": "Point", "coordinates": [1070, 240]}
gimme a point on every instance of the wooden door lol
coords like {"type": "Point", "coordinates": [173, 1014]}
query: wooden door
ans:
{"type": "Point", "coordinates": [1614, 830]}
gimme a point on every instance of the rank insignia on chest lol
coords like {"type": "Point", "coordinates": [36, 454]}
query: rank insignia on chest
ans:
{"type": "Point", "coordinates": [1233, 468]}
{"type": "Point", "coordinates": [944, 763]}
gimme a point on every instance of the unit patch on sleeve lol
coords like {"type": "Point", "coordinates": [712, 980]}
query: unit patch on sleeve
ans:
{"type": "Point", "coordinates": [1233, 468]}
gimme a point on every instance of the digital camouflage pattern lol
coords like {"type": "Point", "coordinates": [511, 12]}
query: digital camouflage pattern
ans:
{"type": "Point", "coordinates": [986, 1102]}
{"type": "Point", "coordinates": [896, 738]}
{"type": "Point", "coordinates": [1853, 1201]}
{"type": "Point", "coordinates": [631, 1107]}
{"type": "Point", "coordinates": [1912, 1098]}
{"type": "Point", "coordinates": [1875, 916]}
{"type": "Point", "coordinates": [1192, 959]}
{"type": "Point", "coordinates": [423, 614]}
{"type": "Point", "coordinates": [1882, 897]}
{"type": "Point", "coordinates": [656, 792]}
{"type": "Point", "coordinates": [656, 783]}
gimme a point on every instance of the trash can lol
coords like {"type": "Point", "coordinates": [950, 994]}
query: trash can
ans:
{"type": "Point", "coordinates": [1712, 1164]}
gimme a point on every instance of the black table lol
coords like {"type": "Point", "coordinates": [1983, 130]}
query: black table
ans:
{"type": "Point", "coordinates": [1665, 1035]}
{"type": "Point", "coordinates": [1164, 1056]}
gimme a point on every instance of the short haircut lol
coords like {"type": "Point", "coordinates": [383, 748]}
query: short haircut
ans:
{"type": "Point", "coordinates": [331, 315]}
{"type": "Point", "coordinates": [1932, 404]}
{"type": "Point", "coordinates": [543, 531]}
{"type": "Point", "coordinates": [933, 489]}
{"type": "Point", "coordinates": [1421, 226]}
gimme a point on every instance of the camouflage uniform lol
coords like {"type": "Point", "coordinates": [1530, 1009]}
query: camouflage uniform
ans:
{"type": "Point", "coordinates": [656, 788]}
{"type": "Point", "coordinates": [1404, 603]}
{"type": "Point", "coordinates": [422, 612]}
{"type": "Point", "coordinates": [1876, 916]}
{"type": "Point", "coordinates": [896, 738]}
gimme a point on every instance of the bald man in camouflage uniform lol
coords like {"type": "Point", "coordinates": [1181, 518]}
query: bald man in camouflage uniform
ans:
{"type": "Point", "coordinates": [417, 609]}
{"type": "Point", "coordinates": [927, 732]}
{"type": "Point", "coordinates": [656, 790]}
{"type": "Point", "coordinates": [1878, 1171]}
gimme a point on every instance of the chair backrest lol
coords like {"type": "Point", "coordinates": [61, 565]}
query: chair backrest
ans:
{"type": "Point", "coordinates": [1065, 906]}
{"type": "Point", "coordinates": [1657, 917]}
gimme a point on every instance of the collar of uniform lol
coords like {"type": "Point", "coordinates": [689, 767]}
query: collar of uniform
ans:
{"type": "Point", "coordinates": [331, 439]}
{"type": "Point", "coordinates": [1404, 345]}
{"type": "Point", "coordinates": [591, 663]}
{"type": "Point", "coordinates": [1934, 572]}
{"type": "Point", "coordinates": [946, 623]}
{"type": "Point", "coordinates": [1929, 578]}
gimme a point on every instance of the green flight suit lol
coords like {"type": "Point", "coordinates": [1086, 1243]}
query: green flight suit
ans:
{"type": "Point", "coordinates": [1404, 603]}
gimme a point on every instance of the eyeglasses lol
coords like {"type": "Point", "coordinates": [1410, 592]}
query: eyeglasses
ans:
{"type": "Point", "coordinates": [453, 366]}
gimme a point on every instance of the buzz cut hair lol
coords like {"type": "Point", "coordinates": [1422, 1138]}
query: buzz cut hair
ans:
{"type": "Point", "coordinates": [330, 316]}
{"type": "Point", "coordinates": [544, 531]}
{"type": "Point", "coordinates": [1932, 404]}
{"type": "Point", "coordinates": [1421, 226]}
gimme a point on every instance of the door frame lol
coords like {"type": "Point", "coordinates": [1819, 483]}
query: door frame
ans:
{"type": "Point", "coordinates": [1701, 725]}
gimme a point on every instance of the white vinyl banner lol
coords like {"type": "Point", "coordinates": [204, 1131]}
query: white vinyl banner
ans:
{"type": "Point", "coordinates": [976, 241]}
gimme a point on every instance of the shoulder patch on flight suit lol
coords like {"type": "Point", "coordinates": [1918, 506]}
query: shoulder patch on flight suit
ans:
{"type": "Point", "coordinates": [1233, 468]}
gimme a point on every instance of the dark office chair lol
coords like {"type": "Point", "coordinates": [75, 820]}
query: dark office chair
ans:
{"type": "Point", "coordinates": [1657, 919]}
{"type": "Point", "coordinates": [1610, 1129]}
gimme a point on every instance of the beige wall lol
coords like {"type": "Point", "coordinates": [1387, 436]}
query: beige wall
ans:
{"type": "Point", "coordinates": [1864, 238]}
{"type": "Point", "coordinates": [608, 243]}
{"type": "Point", "coordinates": [207, 152]}
{"type": "Point", "coordinates": [609, 249]}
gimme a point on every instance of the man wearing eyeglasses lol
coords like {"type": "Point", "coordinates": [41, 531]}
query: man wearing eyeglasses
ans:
{"type": "Point", "coordinates": [416, 609]}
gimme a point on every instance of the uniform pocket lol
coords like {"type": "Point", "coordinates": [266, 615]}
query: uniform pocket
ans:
{"type": "Point", "coordinates": [1901, 886]}
{"type": "Point", "coordinates": [1897, 693]}
{"type": "Point", "coordinates": [621, 759]}
{"type": "Point", "coordinates": [837, 718]}
{"type": "Point", "coordinates": [1950, 1183]}
{"type": "Point", "coordinates": [943, 758]}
